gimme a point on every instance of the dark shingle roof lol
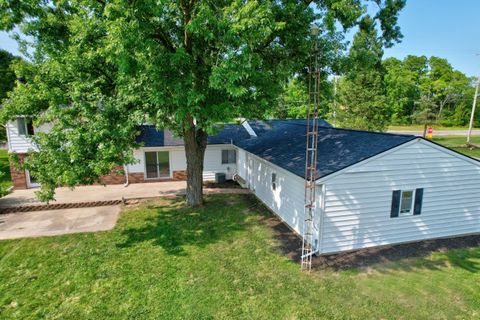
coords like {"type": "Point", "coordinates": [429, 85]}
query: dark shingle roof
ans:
{"type": "Point", "coordinates": [151, 137]}
{"type": "Point", "coordinates": [282, 142]}
{"type": "Point", "coordinates": [262, 127]}
{"type": "Point", "coordinates": [337, 148]}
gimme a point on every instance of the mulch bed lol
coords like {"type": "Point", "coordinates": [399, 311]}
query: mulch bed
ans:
{"type": "Point", "coordinates": [290, 245]}
{"type": "Point", "coordinates": [228, 184]}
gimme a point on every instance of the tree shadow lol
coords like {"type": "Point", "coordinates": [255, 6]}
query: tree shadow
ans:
{"type": "Point", "coordinates": [459, 251]}
{"type": "Point", "coordinates": [175, 226]}
{"type": "Point", "coordinates": [466, 259]}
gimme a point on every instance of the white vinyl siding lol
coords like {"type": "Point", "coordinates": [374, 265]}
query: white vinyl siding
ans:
{"type": "Point", "coordinates": [21, 143]}
{"type": "Point", "coordinates": [212, 162]}
{"type": "Point", "coordinates": [287, 199]}
{"type": "Point", "coordinates": [358, 201]}
{"type": "Point", "coordinates": [242, 163]}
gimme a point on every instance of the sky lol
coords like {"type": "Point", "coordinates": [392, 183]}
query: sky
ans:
{"type": "Point", "coordinates": [445, 28]}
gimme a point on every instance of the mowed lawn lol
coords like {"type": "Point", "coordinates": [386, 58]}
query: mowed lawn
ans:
{"type": "Point", "coordinates": [420, 127]}
{"type": "Point", "coordinates": [458, 143]}
{"type": "Point", "coordinates": [164, 261]}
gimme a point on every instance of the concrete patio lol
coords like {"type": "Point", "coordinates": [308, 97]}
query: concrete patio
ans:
{"type": "Point", "coordinates": [57, 222]}
{"type": "Point", "coordinates": [96, 193]}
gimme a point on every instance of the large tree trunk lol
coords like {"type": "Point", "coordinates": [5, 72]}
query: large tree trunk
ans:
{"type": "Point", "coordinates": [195, 143]}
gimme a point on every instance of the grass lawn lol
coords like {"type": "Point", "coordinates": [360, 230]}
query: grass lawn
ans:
{"type": "Point", "coordinates": [163, 261]}
{"type": "Point", "coordinates": [5, 180]}
{"type": "Point", "coordinates": [457, 143]}
{"type": "Point", "coordinates": [419, 127]}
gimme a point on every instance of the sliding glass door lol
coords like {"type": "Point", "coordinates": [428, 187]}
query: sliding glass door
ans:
{"type": "Point", "coordinates": [157, 164]}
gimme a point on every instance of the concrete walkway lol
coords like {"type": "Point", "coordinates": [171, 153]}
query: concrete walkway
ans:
{"type": "Point", "coordinates": [106, 193]}
{"type": "Point", "coordinates": [96, 193]}
{"type": "Point", "coordinates": [57, 222]}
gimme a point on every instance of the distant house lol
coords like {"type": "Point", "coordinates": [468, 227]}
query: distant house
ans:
{"type": "Point", "coordinates": [373, 188]}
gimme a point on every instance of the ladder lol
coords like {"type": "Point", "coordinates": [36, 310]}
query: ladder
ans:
{"type": "Point", "coordinates": [308, 245]}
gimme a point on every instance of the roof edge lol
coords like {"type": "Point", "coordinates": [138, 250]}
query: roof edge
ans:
{"type": "Point", "coordinates": [370, 158]}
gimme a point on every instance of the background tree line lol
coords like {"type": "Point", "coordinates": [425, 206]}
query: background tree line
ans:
{"type": "Point", "coordinates": [371, 93]}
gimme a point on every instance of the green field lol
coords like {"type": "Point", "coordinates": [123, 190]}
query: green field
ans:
{"type": "Point", "coordinates": [164, 261]}
{"type": "Point", "coordinates": [457, 143]}
{"type": "Point", "coordinates": [419, 127]}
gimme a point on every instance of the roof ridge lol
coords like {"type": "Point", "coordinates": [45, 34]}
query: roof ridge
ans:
{"type": "Point", "coordinates": [281, 119]}
{"type": "Point", "coordinates": [365, 131]}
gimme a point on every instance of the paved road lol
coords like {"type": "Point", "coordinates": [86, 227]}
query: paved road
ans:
{"type": "Point", "coordinates": [439, 132]}
{"type": "Point", "coordinates": [56, 222]}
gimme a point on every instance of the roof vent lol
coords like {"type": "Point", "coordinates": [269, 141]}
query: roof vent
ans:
{"type": "Point", "coordinates": [249, 129]}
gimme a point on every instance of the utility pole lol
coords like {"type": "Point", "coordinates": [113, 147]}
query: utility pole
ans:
{"type": "Point", "coordinates": [473, 111]}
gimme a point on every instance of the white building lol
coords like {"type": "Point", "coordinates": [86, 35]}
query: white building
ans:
{"type": "Point", "coordinates": [373, 188]}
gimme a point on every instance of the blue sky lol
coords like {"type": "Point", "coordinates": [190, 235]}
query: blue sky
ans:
{"type": "Point", "coordinates": [444, 28]}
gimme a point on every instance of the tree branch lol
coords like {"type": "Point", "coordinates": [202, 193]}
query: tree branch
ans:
{"type": "Point", "coordinates": [187, 17]}
{"type": "Point", "coordinates": [164, 40]}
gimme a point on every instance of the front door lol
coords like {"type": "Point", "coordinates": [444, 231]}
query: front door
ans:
{"type": "Point", "coordinates": [157, 164]}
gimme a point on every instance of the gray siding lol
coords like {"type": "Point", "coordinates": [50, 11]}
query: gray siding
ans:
{"type": "Point", "coordinates": [358, 201]}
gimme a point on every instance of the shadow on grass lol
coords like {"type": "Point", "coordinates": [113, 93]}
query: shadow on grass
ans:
{"type": "Point", "coordinates": [175, 226]}
{"type": "Point", "coordinates": [466, 259]}
{"type": "Point", "coordinates": [462, 252]}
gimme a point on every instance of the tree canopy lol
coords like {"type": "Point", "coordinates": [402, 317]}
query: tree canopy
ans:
{"type": "Point", "coordinates": [421, 90]}
{"type": "Point", "coordinates": [103, 67]}
{"type": "Point", "coordinates": [362, 90]}
{"type": "Point", "coordinates": [415, 90]}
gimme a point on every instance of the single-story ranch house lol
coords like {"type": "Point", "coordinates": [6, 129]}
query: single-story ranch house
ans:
{"type": "Point", "coordinates": [373, 188]}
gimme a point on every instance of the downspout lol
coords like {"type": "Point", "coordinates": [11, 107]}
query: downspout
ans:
{"type": "Point", "coordinates": [126, 175]}
{"type": "Point", "coordinates": [320, 212]}
{"type": "Point", "coordinates": [321, 218]}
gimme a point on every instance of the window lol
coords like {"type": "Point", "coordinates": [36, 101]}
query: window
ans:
{"type": "Point", "coordinates": [25, 126]}
{"type": "Point", "coordinates": [157, 165]}
{"type": "Point", "coordinates": [274, 181]}
{"type": "Point", "coordinates": [406, 202]}
{"type": "Point", "coordinates": [229, 156]}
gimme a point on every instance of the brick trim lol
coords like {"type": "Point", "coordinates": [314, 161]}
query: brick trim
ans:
{"type": "Point", "coordinates": [139, 177]}
{"type": "Point", "coordinates": [19, 176]}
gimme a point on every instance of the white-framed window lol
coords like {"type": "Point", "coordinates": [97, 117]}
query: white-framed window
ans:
{"type": "Point", "coordinates": [157, 164]}
{"type": "Point", "coordinates": [274, 181]}
{"type": "Point", "coordinates": [25, 126]}
{"type": "Point", "coordinates": [407, 202]}
{"type": "Point", "coordinates": [229, 156]}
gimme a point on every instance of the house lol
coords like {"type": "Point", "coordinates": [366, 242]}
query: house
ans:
{"type": "Point", "coordinates": [373, 188]}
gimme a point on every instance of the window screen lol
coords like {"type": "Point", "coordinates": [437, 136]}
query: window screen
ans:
{"type": "Point", "coordinates": [406, 202]}
{"type": "Point", "coordinates": [164, 164]}
{"type": "Point", "coordinates": [229, 156]}
{"type": "Point", "coordinates": [151, 165]}
{"type": "Point", "coordinates": [21, 126]}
